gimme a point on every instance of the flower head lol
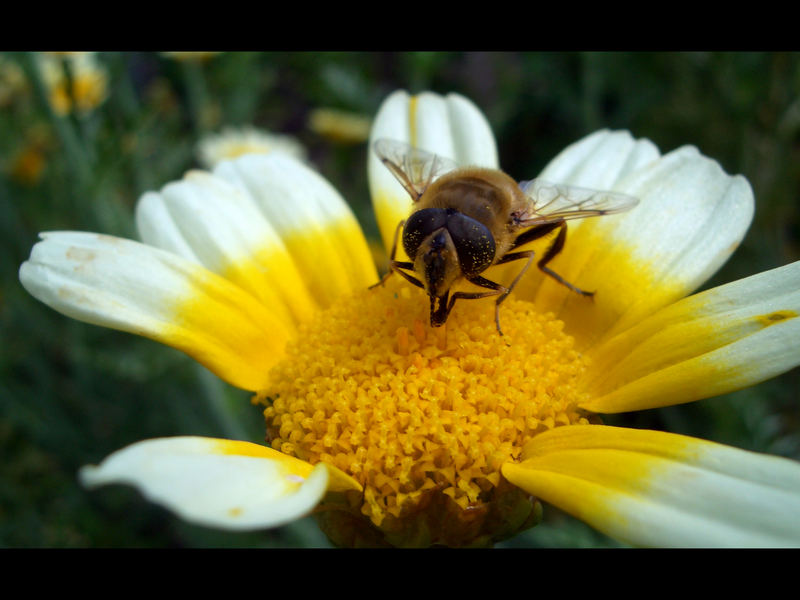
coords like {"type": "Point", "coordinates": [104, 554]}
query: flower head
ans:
{"type": "Point", "coordinates": [235, 142]}
{"type": "Point", "coordinates": [398, 433]}
{"type": "Point", "coordinates": [30, 161]}
{"type": "Point", "coordinates": [76, 81]}
{"type": "Point", "coordinates": [339, 125]}
{"type": "Point", "coordinates": [13, 83]}
{"type": "Point", "coordinates": [28, 164]}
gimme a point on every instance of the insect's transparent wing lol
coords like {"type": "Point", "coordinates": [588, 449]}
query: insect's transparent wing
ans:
{"type": "Point", "coordinates": [415, 169]}
{"type": "Point", "coordinates": [551, 202]}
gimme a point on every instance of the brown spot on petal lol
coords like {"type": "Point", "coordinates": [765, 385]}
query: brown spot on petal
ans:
{"type": "Point", "coordinates": [776, 317]}
{"type": "Point", "coordinates": [80, 254]}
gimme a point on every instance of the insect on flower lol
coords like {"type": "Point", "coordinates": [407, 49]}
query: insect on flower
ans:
{"type": "Point", "coordinates": [467, 219]}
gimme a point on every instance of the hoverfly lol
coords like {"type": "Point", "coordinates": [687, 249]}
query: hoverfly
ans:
{"type": "Point", "coordinates": [467, 219]}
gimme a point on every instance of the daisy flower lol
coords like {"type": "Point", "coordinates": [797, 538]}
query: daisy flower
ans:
{"type": "Point", "coordinates": [234, 142]}
{"type": "Point", "coordinates": [13, 83]}
{"type": "Point", "coordinates": [84, 90]}
{"type": "Point", "coordinates": [28, 165]}
{"type": "Point", "coordinates": [396, 433]}
{"type": "Point", "coordinates": [340, 126]}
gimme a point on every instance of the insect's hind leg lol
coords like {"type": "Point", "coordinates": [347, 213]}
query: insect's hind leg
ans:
{"type": "Point", "coordinates": [552, 252]}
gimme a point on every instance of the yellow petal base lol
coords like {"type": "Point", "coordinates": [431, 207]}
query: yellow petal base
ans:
{"type": "Point", "coordinates": [423, 418]}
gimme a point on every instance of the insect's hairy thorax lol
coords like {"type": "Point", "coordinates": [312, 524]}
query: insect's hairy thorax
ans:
{"type": "Point", "coordinates": [485, 199]}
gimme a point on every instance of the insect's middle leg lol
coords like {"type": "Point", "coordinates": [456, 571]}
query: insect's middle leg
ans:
{"type": "Point", "coordinates": [505, 291]}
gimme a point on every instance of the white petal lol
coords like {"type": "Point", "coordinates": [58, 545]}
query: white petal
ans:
{"type": "Point", "coordinates": [206, 217]}
{"type": "Point", "coordinates": [720, 340]}
{"type": "Point", "coordinates": [157, 228]}
{"type": "Point", "coordinates": [451, 126]}
{"type": "Point", "coordinates": [600, 160]}
{"type": "Point", "coordinates": [652, 488]}
{"type": "Point", "coordinates": [103, 280]}
{"type": "Point", "coordinates": [130, 286]}
{"type": "Point", "coordinates": [317, 226]}
{"type": "Point", "coordinates": [216, 483]}
{"type": "Point", "coordinates": [691, 217]}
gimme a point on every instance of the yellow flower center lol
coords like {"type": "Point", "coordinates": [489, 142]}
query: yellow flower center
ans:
{"type": "Point", "coordinates": [424, 418]}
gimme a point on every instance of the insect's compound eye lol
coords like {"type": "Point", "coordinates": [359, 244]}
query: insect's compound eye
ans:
{"type": "Point", "coordinates": [473, 241]}
{"type": "Point", "coordinates": [419, 226]}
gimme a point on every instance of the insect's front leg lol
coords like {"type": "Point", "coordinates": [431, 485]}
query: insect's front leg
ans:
{"type": "Point", "coordinates": [439, 316]}
{"type": "Point", "coordinates": [395, 265]}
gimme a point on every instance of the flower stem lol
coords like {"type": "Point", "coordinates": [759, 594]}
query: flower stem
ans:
{"type": "Point", "coordinates": [221, 405]}
{"type": "Point", "coordinates": [76, 154]}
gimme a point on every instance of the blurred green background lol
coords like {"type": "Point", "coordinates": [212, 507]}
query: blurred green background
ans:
{"type": "Point", "coordinates": [71, 393]}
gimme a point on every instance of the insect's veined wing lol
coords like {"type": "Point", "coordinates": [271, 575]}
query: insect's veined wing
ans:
{"type": "Point", "coordinates": [551, 202]}
{"type": "Point", "coordinates": [415, 169]}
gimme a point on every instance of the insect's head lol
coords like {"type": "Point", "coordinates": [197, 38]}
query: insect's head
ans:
{"type": "Point", "coordinates": [446, 245]}
{"type": "Point", "coordinates": [435, 259]}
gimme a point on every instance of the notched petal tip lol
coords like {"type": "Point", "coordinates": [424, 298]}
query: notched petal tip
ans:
{"type": "Point", "coordinates": [601, 160]}
{"type": "Point", "coordinates": [451, 126]}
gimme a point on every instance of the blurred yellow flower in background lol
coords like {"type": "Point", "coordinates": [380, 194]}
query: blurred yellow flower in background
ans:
{"type": "Point", "coordinates": [28, 163]}
{"type": "Point", "coordinates": [12, 81]}
{"type": "Point", "coordinates": [76, 81]}
{"type": "Point", "coordinates": [340, 126]}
